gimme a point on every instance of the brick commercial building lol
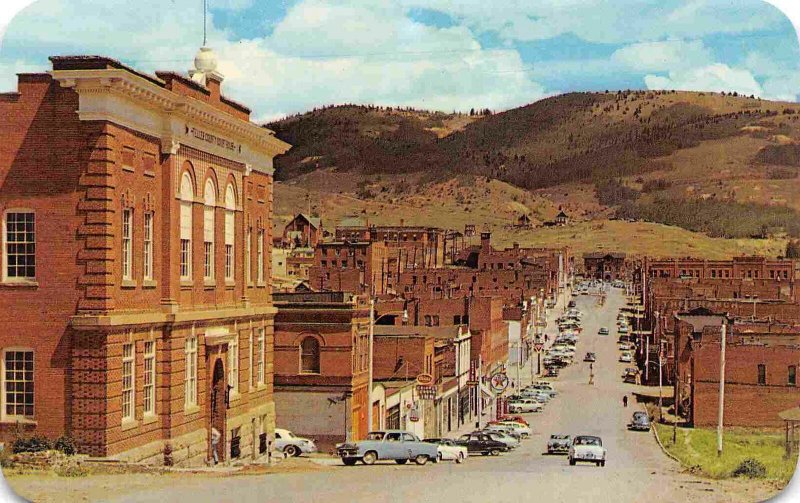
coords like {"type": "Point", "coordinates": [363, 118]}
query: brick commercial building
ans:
{"type": "Point", "coordinates": [322, 365]}
{"type": "Point", "coordinates": [606, 266]}
{"type": "Point", "coordinates": [135, 289]}
{"type": "Point", "coordinates": [358, 267]}
{"type": "Point", "coordinates": [303, 231]}
{"type": "Point", "coordinates": [760, 369]}
{"type": "Point", "coordinates": [409, 247]}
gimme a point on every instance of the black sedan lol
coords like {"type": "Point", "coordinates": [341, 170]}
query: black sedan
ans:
{"type": "Point", "coordinates": [479, 442]}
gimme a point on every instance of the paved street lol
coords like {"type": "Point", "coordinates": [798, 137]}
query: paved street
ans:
{"type": "Point", "coordinates": [635, 467]}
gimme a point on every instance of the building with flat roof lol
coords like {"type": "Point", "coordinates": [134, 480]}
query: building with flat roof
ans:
{"type": "Point", "coordinates": [135, 289]}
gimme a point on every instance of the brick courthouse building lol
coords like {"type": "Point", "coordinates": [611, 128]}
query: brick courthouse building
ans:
{"type": "Point", "coordinates": [135, 293]}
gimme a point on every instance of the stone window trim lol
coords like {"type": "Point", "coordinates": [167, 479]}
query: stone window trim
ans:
{"type": "Point", "coordinates": [5, 417]}
{"type": "Point", "coordinates": [5, 278]}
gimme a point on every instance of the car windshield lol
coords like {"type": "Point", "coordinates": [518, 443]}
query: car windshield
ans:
{"type": "Point", "coordinates": [375, 435]}
{"type": "Point", "coordinates": [559, 437]}
{"type": "Point", "coordinates": [587, 441]}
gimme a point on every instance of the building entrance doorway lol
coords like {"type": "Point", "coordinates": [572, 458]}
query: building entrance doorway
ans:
{"type": "Point", "coordinates": [217, 412]}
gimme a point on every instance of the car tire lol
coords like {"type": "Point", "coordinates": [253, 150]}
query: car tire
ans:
{"type": "Point", "coordinates": [460, 458]}
{"type": "Point", "coordinates": [349, 461]}
{"type": "Point", "coordinates": [291, 451]}
{"type": "Point", "coordinates": [421, 459]}
{"type": "Point", "coordinates": [370, 458]}
{"type": "Point", "coordinates": [495, 452]}
{"type": "Point", "coordinates": [571, 462]}
{"type": "Point", "coordinates": [401, 461]}
{"type": "Point", "coordinates": [603, 463]}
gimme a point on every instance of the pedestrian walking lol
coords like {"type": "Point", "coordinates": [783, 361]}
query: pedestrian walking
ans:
{"type": "Point", "coordinates": [625, 401]}
{"type": "Point", "coordinates": [215, 437]}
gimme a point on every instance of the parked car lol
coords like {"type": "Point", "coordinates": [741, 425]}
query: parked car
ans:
{"type": "Point", "coordinates": [516, 419]}
{"type": "Point", "coordinates": [449, 450]}
{"type": "Point", "coordinates": [625, 358]}
{"type": "Point", "coordinates": [590, 357]}
{"type": "Point", "coordinates": [398, 445]}
{"type": "Point", "coordinates": [520, 429]}
{"type": "Point", "coordinates": [603, 331]}
{"type": "Point", "coordinates": [523, 405]}
{"type": "Point", "coordinates": [504, 429]}
{"type": "Point", "coordinates": [559, 444]}
{"type": "Point", "coordinates": [291, 445]}
{"type": "Point", "coordinates": [623, 329]}
{"type": "Point", "coordinates": [551, 372]}
{"type": "Point", "coordinates": [502, 436]}
{"type": "Point", "coordinates": [639, 422]}
{"type": "Point", "coordinates": [479, 442]}
{"type": "Point", "coordinates": [587, 448]}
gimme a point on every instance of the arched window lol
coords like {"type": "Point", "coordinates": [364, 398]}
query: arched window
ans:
{"type": "Point", "coordinates": [209, 201]}
{"type": "Point", "coordinates": [230, 208]}
{"type": "Point", "coordinates": [187, 196]}
{"type": "Point", "coordinates": [309, 356]}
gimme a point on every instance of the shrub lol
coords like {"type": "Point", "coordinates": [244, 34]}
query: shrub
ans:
{"type": "Point", "coordinates": [752, 468]}
{"type": "Point", "coordinates": [31, 444]}
{"type": "Point", "coordinates": [71, 470]}
{"type": "Point", "coordinates": [66, 445]}
{"type": "Point", "coordinates": [782, 174]}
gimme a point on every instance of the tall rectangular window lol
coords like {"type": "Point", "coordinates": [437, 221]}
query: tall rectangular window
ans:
{"type": "Point", "coordinates": [20, 249]}
{"type": "Point", "coordinates": [127, 243]}
{"type": "Point", "coordinates": [252, 362]}
{"type": "Point", "coordinates": [128, 379]}
{"type": "Point", "coordinates": [208, 242]}
{"type": "Point", "coordinates": [186, 241]}
{"type": "Point", "coordinates": [18, 384]}
{"type": "Point", "coordinates": [260, 356]}
{"type": "Point", "coordinates": [229, 234]}
{"type": "Point", "coordinates": [190, 374]}
{"type": "Point", "coordinates": [247, 261]}
{"type": "Point", "coordinates": [762, 373]}
{"type": "Point", "coordinates": [149, 378]}
{"type": "Point", "coordinates": [147, 249]}
{"type": "Point", "coordinates": [233, 364]}
{"type": "Point", "coordinates": [792, 375]}
{"type": "Point", "coordinates": [260, 257]}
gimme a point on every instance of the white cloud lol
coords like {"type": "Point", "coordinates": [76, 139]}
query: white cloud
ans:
{"type": "Point", "coordinates": [663, 56]}
{"type": "Point", "coordinates": [716, 77]}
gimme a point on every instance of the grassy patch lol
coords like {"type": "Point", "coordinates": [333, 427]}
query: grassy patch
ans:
{"type": "Point", "coordinates": [697, 448]}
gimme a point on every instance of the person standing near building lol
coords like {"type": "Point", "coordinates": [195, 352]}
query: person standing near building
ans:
{"type": "Point", "coordinates": [215, 437]}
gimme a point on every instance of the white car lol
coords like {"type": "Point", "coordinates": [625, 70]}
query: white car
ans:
{"type": "Point", "coordinates": [625, 358]}
{"type": "Point", "coordinates": [518, 428]}
{"type": "Point", "coordinates": [449, 450]}
{"type": "Point", "coordinates": [495, 432]}
{"type": "Point", "coordinates": [291, 445]}
{"type": "Point", "coordinates": [587, 448]}
{"type": "Point", "coordinates": [524, 405]}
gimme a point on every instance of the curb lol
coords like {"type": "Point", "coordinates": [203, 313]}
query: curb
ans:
{"type": "Point", "coordinates": [663, 449]}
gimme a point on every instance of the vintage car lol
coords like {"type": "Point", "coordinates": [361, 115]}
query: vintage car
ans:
{"type": "Point", "coordinates": [397, 445]}
{"type": "Point", "coordinates": [559, 444]}
{"type": "Point", "coordinates": [626, 357]}
{"type": "Point", "coordinates": [516, 419]}
{"type": "Point", "coordinates": [639, 422]}
{"type": "Point", "coordinates": [590, 357]}
{"type": "Point", "coordinates": [520, 429]}
{"type": "Point", "coordinates": [505, 435]}
{"type": "Point", "coordinates": [587, 448]}
{"type": "Point", "coordinates": [551, 372]}
{"type": "Point", "coordinates": [525, 405]}
{"type": "Point", "coordinates": [449, 450]}
{"type": "Point", "coordinates": [603, 331]}
{"type": "Point", "coordinates": [479, 442]}
{"type": "Point", "coordinates": [291, 445]}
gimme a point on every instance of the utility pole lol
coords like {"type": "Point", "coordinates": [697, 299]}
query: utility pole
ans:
{"type": "Point", "coordinates": [660, 382]}
{"type": "Point", "coordinates": [721, 388]}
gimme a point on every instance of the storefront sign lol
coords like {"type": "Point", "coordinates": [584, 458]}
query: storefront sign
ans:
{"type": "Point", "coordinates": [426, 392]}
{"type": "Point", "coordinates": [499, 382]}
{"type": "Point", "coordinates": [424, 379]}
{"type": "Point", "coordinates": [413, 415]}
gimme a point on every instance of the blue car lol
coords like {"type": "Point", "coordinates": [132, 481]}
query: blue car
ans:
{"type": "Point", "coordinates": [397, 445]}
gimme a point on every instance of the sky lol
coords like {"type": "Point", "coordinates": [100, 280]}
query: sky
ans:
{"type": "Point", "coordinates": [283, 57]}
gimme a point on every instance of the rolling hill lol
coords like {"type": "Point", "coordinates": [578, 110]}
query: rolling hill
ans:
{"type": "Point", "coordinates": [639, 151]}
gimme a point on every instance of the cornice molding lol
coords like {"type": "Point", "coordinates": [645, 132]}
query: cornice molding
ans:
{"type": "Point", "coordinates": [118, 96]}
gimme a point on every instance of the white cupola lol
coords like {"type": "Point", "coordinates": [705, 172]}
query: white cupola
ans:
{"type": "Point", "coordinates": [205, 65]}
